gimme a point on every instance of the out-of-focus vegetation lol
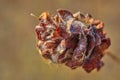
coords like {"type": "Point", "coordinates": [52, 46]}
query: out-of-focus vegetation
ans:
{"type": "Point", "coordinates": [19, 59]}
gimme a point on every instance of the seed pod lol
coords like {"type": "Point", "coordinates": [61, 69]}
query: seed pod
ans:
{"type": "Point", "coordinates": [76, 40]}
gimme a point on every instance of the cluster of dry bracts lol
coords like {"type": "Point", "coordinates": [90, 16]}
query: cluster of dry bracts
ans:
{"type": "Point", "coordinates": [72, 39]}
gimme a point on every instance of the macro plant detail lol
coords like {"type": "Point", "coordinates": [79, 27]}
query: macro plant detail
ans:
{"type": "Point", "coordinates": [75, 40]}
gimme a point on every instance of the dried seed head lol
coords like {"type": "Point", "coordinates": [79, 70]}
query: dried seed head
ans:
{"type": "Point", "coordinates": [72, 39]}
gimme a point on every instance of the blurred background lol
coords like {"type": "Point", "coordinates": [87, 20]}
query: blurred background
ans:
{"type": "Point", "coordinates": [19, 58]}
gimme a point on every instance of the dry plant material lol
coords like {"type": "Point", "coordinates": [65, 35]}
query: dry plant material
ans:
{"type": "Point", "coordinates": [76, 40]}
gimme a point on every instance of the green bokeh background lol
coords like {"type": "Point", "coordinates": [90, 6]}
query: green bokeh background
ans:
{"type": "Point", "coordinates": [19, 59]}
